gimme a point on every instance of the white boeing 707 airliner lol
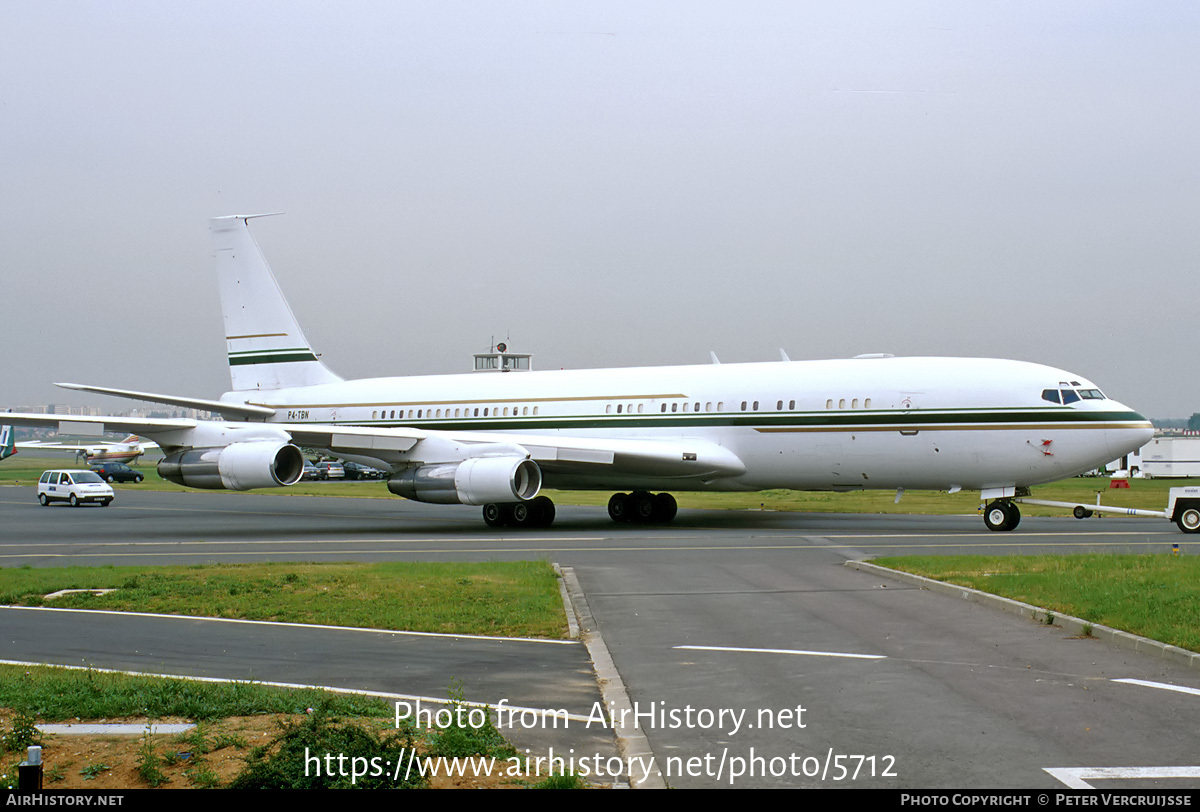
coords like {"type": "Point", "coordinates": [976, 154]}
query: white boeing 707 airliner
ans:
{"type": "Point", "coordinates": [494, 440]}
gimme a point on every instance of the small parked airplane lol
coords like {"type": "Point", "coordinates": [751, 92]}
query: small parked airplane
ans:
{"type": "Point", "coordinates": [98, 451]}
{"type": "Point", "coordinates": [7, 446]}
{"type": "Point", "coordinates": [876, 422]}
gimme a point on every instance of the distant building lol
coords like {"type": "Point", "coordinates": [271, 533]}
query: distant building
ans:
{"type": "Point", "coordinates": [499, 359]}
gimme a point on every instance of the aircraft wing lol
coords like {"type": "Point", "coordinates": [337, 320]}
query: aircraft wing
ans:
{"type": "Point", "coordinates": [555, 454]}
{"type": "Point", "coordinates": [581, 459]}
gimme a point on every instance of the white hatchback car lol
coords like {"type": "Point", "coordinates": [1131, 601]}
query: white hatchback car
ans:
{"type": "Point", "coordinates": [73, 487]}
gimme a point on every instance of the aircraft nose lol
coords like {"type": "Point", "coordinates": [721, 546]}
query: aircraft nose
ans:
{"type": "Point", "coordinates": [1127, 438]}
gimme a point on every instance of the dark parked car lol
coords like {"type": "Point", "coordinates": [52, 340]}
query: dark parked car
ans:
{"type": "Point", "coordinates": [312, 472]}
{"type": "Point", "coordinates": [117, 472]}
{"type": "Point", "coordinates": [356, 471]}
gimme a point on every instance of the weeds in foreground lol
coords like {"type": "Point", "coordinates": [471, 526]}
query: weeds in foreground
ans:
{"type": "Point", "coordinates": [150, 763]}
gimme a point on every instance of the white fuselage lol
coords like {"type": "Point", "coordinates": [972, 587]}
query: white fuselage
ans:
{"type": "Point", "coordinates": [837, 424]}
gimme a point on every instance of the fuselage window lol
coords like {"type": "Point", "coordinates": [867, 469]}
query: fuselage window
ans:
{"type": "Point", "coordinates": [535, 408]}
{"type": "Point", "coordinates": [842, 403]}
{"type": "Point", "coordinates": [854, 403]}
{"type": "Point", "coordinates": [618, 408]}
{"type": "Point", "coordinates": [640, 405]}
{"type": "Point", "coordinates": [685, 407]}
{"type": "Point", "coordinates": [664, 407]}
{"type": "Point", "coordinates": [485, 411]}
{"type": "Point", "coordinates": [720, 405]}
{"type": "Point", "coordinates": [829, 403]}
{"type": "Point", "coordinates": [674, 407]}
{"type": "Point", "coordinates": [708, 406]}
{"type": "Point", "coordinates": [867, 403]}
{"type": "Point", "coordinates": [756, 405]}
{"type": "Point", "coordinates": [743, 405]}
{"type": "Point", "coordinates": [779, 406]}
{"type": "Point", "coordinates": [791, 405]}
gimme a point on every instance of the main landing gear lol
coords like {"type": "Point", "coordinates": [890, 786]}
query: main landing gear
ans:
{"type": "Point", "coordinates": [537, 512]}
{"type": "Point", "coordinates": [638, 507]}
{"type": "Point", "coordinates": [1001, 515]}
{"type": "Point", "coordinates": [641, 507]}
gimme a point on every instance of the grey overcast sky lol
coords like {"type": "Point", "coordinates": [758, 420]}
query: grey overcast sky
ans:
{"type": "Point", "coordinates": [605, 183]}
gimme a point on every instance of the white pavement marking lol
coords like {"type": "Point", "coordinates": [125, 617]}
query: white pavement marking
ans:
{"type": "Point", "coordinates": [789, 651]}
{"type": "Point", "coordinates": [482, 637]}
{"type": "Point", "coordinates": [1074, 777]}
{"type": "Point", "coordinates": [1166, 686]}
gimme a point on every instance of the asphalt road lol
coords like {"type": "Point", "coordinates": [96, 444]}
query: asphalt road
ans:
{"type": "Point", "coordinates": [754, 657]}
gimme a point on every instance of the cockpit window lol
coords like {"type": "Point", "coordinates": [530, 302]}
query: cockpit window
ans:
{"type": "Point", "coordinates": [1051, 395]}
{"type": "Point", "coordinates": [1091, 394]}
{"type": "Point", "coordinates": [1069, 396]}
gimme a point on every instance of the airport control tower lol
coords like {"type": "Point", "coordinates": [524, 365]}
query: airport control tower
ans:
{"type": "Point", "coordinates": [501, 360]}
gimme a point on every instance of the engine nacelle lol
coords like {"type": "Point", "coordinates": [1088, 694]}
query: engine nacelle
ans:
{"type": "Point", "coordinates": [477, 481]}
{"type": "Point", "coordinates": [235, 467]}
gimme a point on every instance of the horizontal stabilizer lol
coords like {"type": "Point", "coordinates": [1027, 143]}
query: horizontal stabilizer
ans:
{"type": "Point", "coordinates": [230, 411]}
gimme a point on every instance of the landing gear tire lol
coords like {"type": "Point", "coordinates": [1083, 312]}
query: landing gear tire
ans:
{"type": "Point", "coordinates": [641, 507]}
{"type": "Point", "coordinates": [1080, 512]}
{"type": "Point", "coordinates": [665, 508]}
{"type": "Point", "coordinates": [496, 515]}
{"type": "Point", "coordinates": [542, 511]}
{"type": "Point", "coordinates": [1001, 516]}
{"type": "Point", "coordinates": [1189, 520]}
{"type": "Point", "coordinates": [537, 512]}
{"type": "Point", "coordinates": [618, 507]}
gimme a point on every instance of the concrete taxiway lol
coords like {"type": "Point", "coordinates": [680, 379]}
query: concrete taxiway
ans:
{"type": "Point", "coordinates": [751, 655]}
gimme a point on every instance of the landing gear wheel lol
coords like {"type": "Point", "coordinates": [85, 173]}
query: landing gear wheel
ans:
{"type": "Point", "coordinates": [619, 507]}
{"type": "Point", "coordinates": [1001, 516]}
{"type": "Point", "coordinates": [642, 507]}
{"type": "Point", "coordinates": [665, 508]}
{"type": "Point", "coordinates": [495, 515]}
{"type": "Point", "coordinates": [1080, 512]}
{"type": "Point", "coordinates": [542, 510]}
{"type": "Point", "coordinates": [1189, 520]}
{"type": "Point", "coordinates": [520, 514]}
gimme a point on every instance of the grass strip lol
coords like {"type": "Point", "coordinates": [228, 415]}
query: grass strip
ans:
{"type": "Point", "coordinates": [61, 694]}
{"type": "Point", "coordinates": [1155, 596]}
{"type": "Point", "coordinates": [519, 598]}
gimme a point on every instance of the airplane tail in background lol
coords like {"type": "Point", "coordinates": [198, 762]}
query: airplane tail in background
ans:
{"type": "Point", "coordinates": [267, 348]}
{"type": "Point", "coordinates": [8, 442]}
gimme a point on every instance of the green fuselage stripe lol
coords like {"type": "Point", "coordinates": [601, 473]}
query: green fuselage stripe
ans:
{"type": "Point", "coordinates": [271, 357]}
{"type": "Point", "coordinates": [907, 421]}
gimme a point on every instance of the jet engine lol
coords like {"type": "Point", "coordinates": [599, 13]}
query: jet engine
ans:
{"type": "Point", "coordinates": [476, 481]}
{"type": "Point", "coordinates": [235, 467]}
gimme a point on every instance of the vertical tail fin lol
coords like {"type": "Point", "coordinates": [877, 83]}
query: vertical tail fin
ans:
{"type": "Point", "coordinates": [8, 442]}
{"type": "Point", "coordinates": [267, 348]}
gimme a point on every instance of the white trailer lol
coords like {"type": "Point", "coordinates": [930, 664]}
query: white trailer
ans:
{"type": "Point", "coordinates": [1183, 508]}
{"type": "Point", "coordinates": [1165, 457]}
